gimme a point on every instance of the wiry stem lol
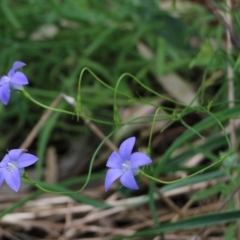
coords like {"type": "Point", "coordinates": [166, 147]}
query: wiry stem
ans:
{"type": "Point", "coordinates": [230, 75]}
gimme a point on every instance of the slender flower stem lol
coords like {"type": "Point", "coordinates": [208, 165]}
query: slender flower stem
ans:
{"type": "Point", "coordinates": [27, 95]}
{"type": "Point", "coordinates": [26, 176]}
{"type": "Point", "coordinates": [179, 180]}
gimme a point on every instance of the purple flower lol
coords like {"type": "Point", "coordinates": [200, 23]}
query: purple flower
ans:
{"type": "Point", "coordinates": [12, 167]}
{"type": "Point", "coordinates": [125, 165]}
{"type": "Point", "coordinates": [14, 80]}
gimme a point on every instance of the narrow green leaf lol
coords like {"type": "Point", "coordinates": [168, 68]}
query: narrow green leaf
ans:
{"type": "Point", "coordinates": [190, 223]}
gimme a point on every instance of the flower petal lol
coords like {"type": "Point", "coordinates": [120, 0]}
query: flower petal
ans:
{"type": "Point", "coordinates": [16, 86]}
{"type": "Point", "coordinates": [1, 176]}
{"type": "Point", "coordinates": [5, 161]}
{"type": "Point", "coordinates": [14, 154]}
{"type": "Point", "coordinates": [128, 180]}
{"type": "Point", "coordinates": [112, 175]}
{"type": "Point", "coordinates": [26, 160]}
{"type": "Point", "coordinates": [115, 161]}
{"type": "Point", "coordinates": [13, 178]}
{"type": "Point", "coordinates": [2, 81]}
{"type": "Point", "coordinates": [126, 148]}
{"type": "Point", "coordinates": [19, 78]}
{"type": "Point", "coordinates": [5, 93]}
{"type": "Point", "coordinates": [16, 65]}
{"type": "Point", "coordinates": [139, 159]}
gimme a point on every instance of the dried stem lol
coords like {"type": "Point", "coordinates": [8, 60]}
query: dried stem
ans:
{"type": "Point", "coordinates": [29, 139]}
{"type": "Point", "coordinates": [230, 76]}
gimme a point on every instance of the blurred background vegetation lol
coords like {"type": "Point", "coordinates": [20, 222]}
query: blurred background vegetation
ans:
{"type": "Point", "coordinates": [57, 39]}
{"type": "Point", "coordinates": [176, 48]}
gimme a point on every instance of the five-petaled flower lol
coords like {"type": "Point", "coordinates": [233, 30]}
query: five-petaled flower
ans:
{"type": "Point", "coordinates": [125, 165]}
{"type": "Point", "coordinates": [14, 80]}
{"type": "Point", "coordinates": [12, 167]}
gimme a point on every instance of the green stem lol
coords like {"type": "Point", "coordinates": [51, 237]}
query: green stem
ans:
{"type": "Point", "coordinates": [27, 95]}
{"type": "Point", "coordinates": [25, 175]}
{"type": "Point", "coordinates": [179, 180]}
{"type": "Point", "coordinates": [151, 132]}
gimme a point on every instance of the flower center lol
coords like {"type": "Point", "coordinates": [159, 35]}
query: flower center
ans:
{"type": "Point", "coordinates": [12, 166]}
{"type": "Point", "coordinates": [6, 79]}
{"type": "Point", "coordinates": [126, 166]}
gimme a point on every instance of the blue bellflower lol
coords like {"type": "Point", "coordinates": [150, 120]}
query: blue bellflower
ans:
{"type": "Point", "coordinates": [125, 165]}
{"type": "Point", "coordinates": [14, 80]}
{"type": "Point", "coordinates": [12, 167]}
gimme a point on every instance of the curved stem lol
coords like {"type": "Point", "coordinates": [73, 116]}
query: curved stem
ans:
{"type": "Point", "coordinates": [179, 180]}
{"type": "Point", "coordinates": [27, 95]}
